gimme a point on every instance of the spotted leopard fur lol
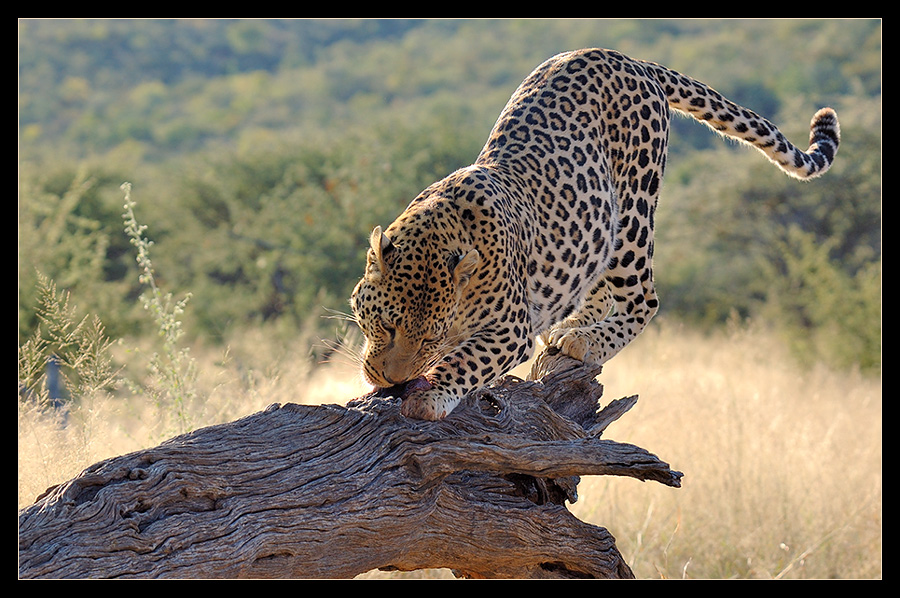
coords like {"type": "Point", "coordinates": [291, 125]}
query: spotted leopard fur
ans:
{"type": "Point", "coordinates": [549, 232]}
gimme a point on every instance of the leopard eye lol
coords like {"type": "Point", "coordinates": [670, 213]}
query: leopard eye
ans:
{"type": "Point", "coordinates": [388, 328]}
{"type": "Point", "coordinates": [431, 340]}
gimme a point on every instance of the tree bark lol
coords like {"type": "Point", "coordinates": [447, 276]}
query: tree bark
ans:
{"type": "Point", "coordinates": [328, 491]}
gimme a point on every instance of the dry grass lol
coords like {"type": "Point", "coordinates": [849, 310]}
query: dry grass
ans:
{"type": "Point", "coordinates": [782, 466]}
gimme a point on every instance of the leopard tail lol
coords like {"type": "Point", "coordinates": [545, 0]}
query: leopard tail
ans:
{"type": "Point", "coordinates": [706, 105]}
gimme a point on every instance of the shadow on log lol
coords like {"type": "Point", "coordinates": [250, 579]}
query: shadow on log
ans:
{"type": "Point", "coordinates": [327, 491]}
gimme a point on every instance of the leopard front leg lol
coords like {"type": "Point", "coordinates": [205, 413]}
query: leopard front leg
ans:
{"type": "Point", "coordinates": [475, 363]}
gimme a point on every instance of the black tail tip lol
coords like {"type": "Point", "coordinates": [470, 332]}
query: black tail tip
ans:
{"type": "Point", "coordinates": [825, 127]}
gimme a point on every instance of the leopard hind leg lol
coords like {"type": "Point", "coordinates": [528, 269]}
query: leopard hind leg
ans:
{"type": "Point", "coordinates": [614, 314]}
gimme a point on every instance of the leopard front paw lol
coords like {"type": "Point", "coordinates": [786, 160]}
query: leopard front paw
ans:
{"type": "Point", "coordinates": [431, 405]}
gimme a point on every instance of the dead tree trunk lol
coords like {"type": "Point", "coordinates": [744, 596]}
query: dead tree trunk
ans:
{"type": "Point", "coordinates": [333, 491]}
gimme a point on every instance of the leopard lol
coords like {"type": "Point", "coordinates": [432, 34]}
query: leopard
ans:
{"type": "Point", "coordinates": [548, 237]}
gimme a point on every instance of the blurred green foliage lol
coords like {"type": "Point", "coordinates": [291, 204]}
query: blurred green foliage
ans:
{"type": "Point", "coordinates": [262, 152]}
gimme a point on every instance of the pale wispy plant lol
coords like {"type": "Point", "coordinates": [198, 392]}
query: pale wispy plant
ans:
{"type": "Point", "coordinates": [76, 349]}
{"type": "Point", "coordinates": [173, 371]}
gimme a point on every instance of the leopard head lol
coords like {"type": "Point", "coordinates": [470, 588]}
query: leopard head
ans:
{"type": "Point", "coordinates": [407, 303]}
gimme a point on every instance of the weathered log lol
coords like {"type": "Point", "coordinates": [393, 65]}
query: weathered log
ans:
{"type": "Point", "coordinates": [331, 491]}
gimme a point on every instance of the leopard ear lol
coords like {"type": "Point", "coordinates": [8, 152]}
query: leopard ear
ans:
{"type": "Point", "coordinates": [465, 267]}
{"type": "Point", "coordinates": [381, 252]}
